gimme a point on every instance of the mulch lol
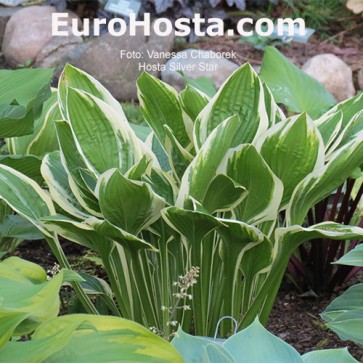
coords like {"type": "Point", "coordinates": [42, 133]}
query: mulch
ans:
{"type": "Point", "coordinates": [296, 320]}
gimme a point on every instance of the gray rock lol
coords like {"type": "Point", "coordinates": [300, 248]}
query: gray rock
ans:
{"type": "Point", "coordinates": [333, 73]}
{"type": "Point", "coordinates": [27, 32]}
{"type": "Point", "coordinates": [101, 58]}
{"type": "Point", "coordinates": [56, 49]}
{"type": "Point", "coordinates": [360, 79]}
{"type": "Point", "coordinates": [5, 14]}
{"type": "Point", "coordinates": [195, 65]}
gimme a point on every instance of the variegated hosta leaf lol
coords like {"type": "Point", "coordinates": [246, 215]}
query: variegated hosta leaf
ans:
{"type": "Point", "coordinates": [103, 338]}
{"type": "Point", "coordinates": [129, 205]}
{"type": "Point", "coordinates": [242, 95]}
{"type": "Point", "coordinates": [108, 230]}
{"type": "Point", "coordinates": [73, 230]}
{"type": "Point", "coordinates": [246, 167]}
{"type": "Point", "coordinates": [24, 289]}
{"type": "Point", "coordinates": [348, 107]}
{"type": "Point", "coordinates": [160, 106]}
{"type": "Point", "coordinates": [102, 136]}
{"type": "Point", "coordinates": [204, 167]}
{"type": "Point", "coordinates": [346, 134]}
{"type": "Point", "coordinates": [354, 126]}
{"type": "Point", "coordinates": [76, 78]}
{"type": "Point", "coordinates": [274, 112]}
{"type": "Point", "coordinates": [223, 194]}
{"type": "Point", "coordinates": [292, 149]}
{"type": "Point", "coordinates": [73, 163]}
{"type": "Point", "coordinates": [28, 165]}
{"type": "Point", "coordinates": [14, 226]}
{"type": "Point", "coordinates": [290, 238]}
{"type": "Point", "coordinates": [46, 140]}
{"type": "Point", "coordinates": [163, 184]}
{"type": "Point", "coordinates": [246, 253]}
{"type": "Point", "coordinates": [193, 101]}
{"type": "Point", "coordinates": [329, 126]}
{"type": "Point", "coordinates": [319, 184]}
{"type": "Point", "coordinates": [56, 178]}
{"type": "Point", "coordinates": [25, 197]}
{"type": "Point", "coordinates": [193, 225]}
{"type": "Point", "coordinates": [43, 139]}
{"type": "Point", "coordinates": [179, 159]}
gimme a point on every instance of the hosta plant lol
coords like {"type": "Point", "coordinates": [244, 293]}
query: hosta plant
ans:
{"type": "Point", "coordinates": [311, 267]}
{"type": "Point", "coordinates": [29, 308]}
{"type": "Point", "coordinates": [219, 191]}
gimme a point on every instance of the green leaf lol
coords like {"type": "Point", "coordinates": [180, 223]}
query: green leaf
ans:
{"type": "Point", "coordinates": [329, 356]}
{"type": "Point", "coordinates": [319, 184]}
{"type": "Point", "coordinates": [75, 231]}
{"type": "Point", "coordinates": [17, 227]}
{"type": "Point", "coordinates": [329, 126]}
{"type": "Point", "coordinates": [348, 107]}
{"type": "Point", "coordinates": [291, 237]}
{"type": "Point", "coordinates": [73, 163]}
{"type": "Point", "coordinates": [141, 131]}
{"type": "Point", "coordinates": [22, 95]}
{"type": "Point", "coordinates": [193, 101]}
{"type": "Point", "coordinates": [246, 166]}
{"type": "Point", "coordinates": [292, 149]}
{"type": "Point", "coordinates": [102, 135]}
{"type": "Point", "coordinates": [179, 159]}
{"type": "Point", "coordinates": [26, 294]}
{"type": "Point", "coordinates": [160, 106]}
{"type": "Point", "coordinates": [108, 339]}
{"type": "Point", "coordinates": [255, 344]}
{"type": "Point", "coordinates": [350, 301]}
{"type": "Point", "coordinates": [96, 286]}
{"type": "Point", "coordinates": [293, 87]}
{"type": "Point", "coordinates": [25, 197]}
{"type": "Point", "coordinates": [353, 257]}
{"type": "Point", "coordinates": [191, 224]}
{"type": "Point", "coordinates": [76, 78]}
{"type": "Point", "coordinates": [28, 165]}
{"type": "Point", "coordinates": [129, 205]}
{"type": "Point", "coordinates": [204, 167]}
{"type": "Point", "coordinates": [204, 84]}
{"type": "Point", "coordinates": [57, 181]}
{"type": "Point", "coordinates": [8, 323]}
{"type": "Point", "coordinates": [242, 95]}
{"type": "Point", "coordinates": [43, 139]}
{"type": "Point", "coordinates": [198, 349]}
{"type": "Point", "coordinates": [348, 325]}
{"type": "Point", "coordinates": [223, 194]}
{"type": "Point", "coordinates": [126, 239]}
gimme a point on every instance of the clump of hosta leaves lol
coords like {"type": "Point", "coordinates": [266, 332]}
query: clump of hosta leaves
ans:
{"type": "Point", "coordinates": [222, 183]}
